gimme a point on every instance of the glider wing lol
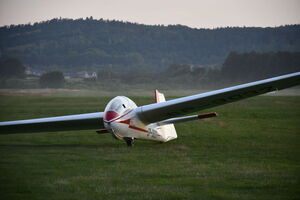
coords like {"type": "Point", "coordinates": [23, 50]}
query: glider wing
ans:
{"type": "Point", "coordinates": [63, 123]}
{"type": "Point", "coordinates": [173, 108]}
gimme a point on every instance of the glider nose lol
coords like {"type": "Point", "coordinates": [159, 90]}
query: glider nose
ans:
{"type": "Point", "coordinates": [110, 115]}
{"type": "Point", "coordinates": [110, 124]}
{"type": "Point", "coordinates": [113, 128]}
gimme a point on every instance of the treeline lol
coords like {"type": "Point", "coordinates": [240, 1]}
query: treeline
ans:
{"type": "Point", "coordinates": [11, 68]}
{"type": "Point", "coordinates": [237, 68]}
{"type": "Point", "coordinates": [251, 66]}
{"type": "Point", "coordinates": [12, 75]}
{"type": "Point", "coordinates": [88, 44]}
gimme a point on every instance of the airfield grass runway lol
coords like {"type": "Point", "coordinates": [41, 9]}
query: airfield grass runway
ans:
{"type": "Point", "coordinates": [251, 151]}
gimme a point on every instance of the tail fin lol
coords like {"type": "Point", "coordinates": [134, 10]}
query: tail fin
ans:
{"type": "Point", "coordinates": [159, 97]}
{"type": "Point", "coordinates": [167, 131]}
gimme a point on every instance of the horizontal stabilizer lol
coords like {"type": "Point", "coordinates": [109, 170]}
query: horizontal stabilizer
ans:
{"type": "Point", "coordinates": [187, 118]}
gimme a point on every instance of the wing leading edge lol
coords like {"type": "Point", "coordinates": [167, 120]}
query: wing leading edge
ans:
{"type": "Point", "coordinates": [63, 123]}
{"type": "Point", "coordinates": [173, 108]}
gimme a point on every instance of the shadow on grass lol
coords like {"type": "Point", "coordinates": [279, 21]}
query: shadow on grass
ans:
{"type": "Point", "coordinates": [121, 144]}
{"type": "Point", "coordinates": [32, 146]}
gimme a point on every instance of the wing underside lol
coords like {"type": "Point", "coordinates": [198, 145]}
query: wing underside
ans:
{"type": "Point", "coordinates": [63, 123]}
{"type": "Point", "coordinates": [173, 108]}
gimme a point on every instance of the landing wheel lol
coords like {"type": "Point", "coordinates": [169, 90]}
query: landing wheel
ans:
{"type": "Point", "coordinates": [129, 141]}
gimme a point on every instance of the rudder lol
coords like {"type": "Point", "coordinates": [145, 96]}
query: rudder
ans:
{"type": "Point", "coordinates": [167, 131]}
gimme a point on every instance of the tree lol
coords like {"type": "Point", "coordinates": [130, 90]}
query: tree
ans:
{"type": "Point", "coordinates": [74, 45]}
{"type": "Point", "coordinates": [106, 73]}
{"type": "Point", "coordinates": [54, 79]}
{"type": "Point", "coordinates": [11, 68]}
{"type": "Point", "coordinates": [252, 66]}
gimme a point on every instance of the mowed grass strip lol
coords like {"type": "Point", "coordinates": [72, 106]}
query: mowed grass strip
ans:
{"type": "Point", "coordinates": [251, 151]}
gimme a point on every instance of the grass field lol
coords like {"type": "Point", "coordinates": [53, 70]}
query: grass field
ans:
{"type": "Point", "coordinates": [251, 151]}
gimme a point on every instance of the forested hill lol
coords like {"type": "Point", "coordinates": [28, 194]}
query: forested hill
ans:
{"type": "Point", "coordinates": [68, 44]}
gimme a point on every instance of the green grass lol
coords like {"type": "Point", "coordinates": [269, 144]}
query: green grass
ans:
{"type": "Point", "coordinates": [251, 151]}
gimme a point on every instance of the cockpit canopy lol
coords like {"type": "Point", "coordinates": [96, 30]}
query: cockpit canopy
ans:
{"type": "Point", "coordinates": [118, 106]}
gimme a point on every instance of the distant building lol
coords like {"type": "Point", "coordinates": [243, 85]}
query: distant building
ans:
{"type": "Point", "coordinates": [28, 71]}
{"type": "Point", "coordinates": [32, 72]}
{"type": "Point", "coordinates": [67, 77]}
{"type": "Point", "coordinates": [94, 75]}
{"type": "Point", "coordinates": [86, 75]}
{"type": "Point", "coordinates": [82, 74]}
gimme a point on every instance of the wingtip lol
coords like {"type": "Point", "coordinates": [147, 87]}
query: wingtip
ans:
{"type": "Point", "coordinates": [207, 115]}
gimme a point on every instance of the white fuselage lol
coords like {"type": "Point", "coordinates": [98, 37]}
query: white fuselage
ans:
{"type": "Point", "coordinates": [120, 119]}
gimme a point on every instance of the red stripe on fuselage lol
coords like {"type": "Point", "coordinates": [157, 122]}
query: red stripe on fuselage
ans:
{"type": "Point", "coordinates": [137, 128]}
{"type": "Point", "coordinates": [127, 121]}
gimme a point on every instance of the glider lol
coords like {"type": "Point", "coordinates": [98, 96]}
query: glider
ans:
{"type": "Point", "coordinates": [125, 120]}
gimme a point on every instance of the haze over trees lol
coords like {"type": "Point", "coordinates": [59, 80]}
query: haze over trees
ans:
{"type": "Point", "coordinates": [54, 79]}
{"type": "Point", "coordinates": [88, 44]}
{"type": "Point", "coordinates": [246, 67]}
{"type": "Point", "coordinates": [237, 68]}
{"type": "Point", "coordinates": [11, 68]}
{"type": "Point", "coordinates": [127, 53]}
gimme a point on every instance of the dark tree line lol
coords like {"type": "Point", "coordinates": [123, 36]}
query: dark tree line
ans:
{"type": "Point", "coordinates": [238, 68]}
{"type": "Point", "coordinates": [11, 68]}
{"type": "Point", "coordinates": [73, 45]}
{"type": "Point", "coordinates": [245, 67]}
{"type": "Point", "coordinates": [54, 79]}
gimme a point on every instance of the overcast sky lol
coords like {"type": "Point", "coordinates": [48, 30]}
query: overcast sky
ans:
{"type": "Point", "coordinates": [193, 13]}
